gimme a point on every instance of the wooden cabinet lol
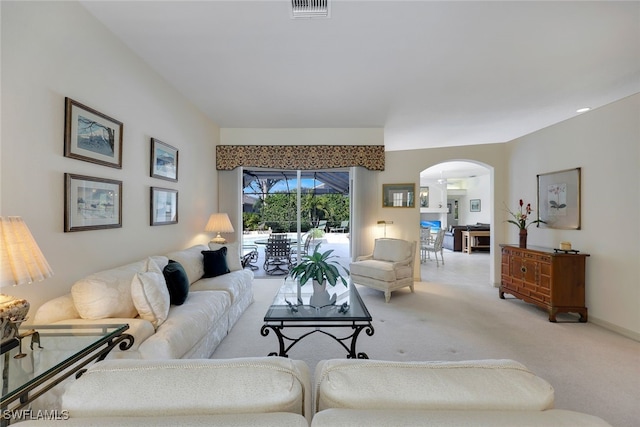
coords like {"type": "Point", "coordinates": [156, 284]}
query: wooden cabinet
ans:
{"type": "Point", "coordinates": [552, 280]}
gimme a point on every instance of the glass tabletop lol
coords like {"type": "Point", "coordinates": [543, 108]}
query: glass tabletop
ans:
{"type": "Point", "coordinates": [45, 350]}
{"type": "Point", "coordinates": [297, 303]}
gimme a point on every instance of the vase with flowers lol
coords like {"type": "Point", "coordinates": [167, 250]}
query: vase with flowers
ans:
{"type": "Point", "coordinates": [520, 220]}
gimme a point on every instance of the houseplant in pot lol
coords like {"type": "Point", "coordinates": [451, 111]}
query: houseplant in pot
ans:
{"type": "Point", "coordinates": [321, 268]}
{"type": "Point", "coordinates": [520, 220]}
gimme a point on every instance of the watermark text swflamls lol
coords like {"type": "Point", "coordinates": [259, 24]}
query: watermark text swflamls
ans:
{"type": "Point", "coordinates": [30, 414]}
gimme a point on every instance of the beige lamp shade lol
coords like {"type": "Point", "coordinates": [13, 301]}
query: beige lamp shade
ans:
{"type": "Point", "coordinates": [219, 223]}
{"type": "Point", "coordinates": [22, 261]}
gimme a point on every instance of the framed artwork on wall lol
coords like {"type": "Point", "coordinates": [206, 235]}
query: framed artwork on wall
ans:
{"type": "Point", "coordinates": [474, 205]}
{"type": "Point", "coordinates": [398, 195]}
{"type": "Point", "coordinates": [164, 161]}
{"type": "Point", "coordinates": [91, 203]}
{"type": "Point", "coordinates": [91, 136]}
{"type": "Point", "coordinates": [559, 199]}
{"type": "Point", "coordinates": [424, 197]}
{"type": "Point", "coordinates": [164, 206]}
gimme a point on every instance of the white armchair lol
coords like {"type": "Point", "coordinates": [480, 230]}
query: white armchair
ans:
{"type": "Point", "coordinates": [388, 268]}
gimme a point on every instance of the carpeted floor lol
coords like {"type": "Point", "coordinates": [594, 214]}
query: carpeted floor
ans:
{"type": "Point", "coordinates": [591, 369]}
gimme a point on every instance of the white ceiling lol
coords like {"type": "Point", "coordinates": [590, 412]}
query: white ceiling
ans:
{"type": "Point", "coordinates": [433, 74]}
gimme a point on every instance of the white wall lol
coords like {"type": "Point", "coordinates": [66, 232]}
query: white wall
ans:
{"type": "Point", "coordinates": [605, 144]}
{"type": "Point", "coordinates": [477, 188]}
{"type": "Point", "coordinates": [55, 49]}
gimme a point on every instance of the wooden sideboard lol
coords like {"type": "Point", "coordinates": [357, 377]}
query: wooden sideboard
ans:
{"type": "Point", "coordinates": [552, 280]}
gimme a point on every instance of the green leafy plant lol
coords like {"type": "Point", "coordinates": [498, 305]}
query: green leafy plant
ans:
{"type": "Point", "coordinates": [319, 266]}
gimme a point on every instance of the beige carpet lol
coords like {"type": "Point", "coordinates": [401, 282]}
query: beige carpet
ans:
{"type": "Point", "coordinates": [591, 369]}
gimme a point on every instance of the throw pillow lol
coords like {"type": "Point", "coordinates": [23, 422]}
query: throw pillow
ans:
{"type": "Point", "coordinates": [150, 295]}
{"type": "Point", "coordinates": [177, 282]}
{"type": "Point", "coordinates": [215, 262]}
{"type": "Point", "coordinates": [233, 254]}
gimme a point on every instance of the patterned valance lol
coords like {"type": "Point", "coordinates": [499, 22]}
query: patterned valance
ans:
{"type": "Point", "coordinates": [303, 157]}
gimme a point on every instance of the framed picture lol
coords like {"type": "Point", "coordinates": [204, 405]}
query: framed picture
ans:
{"type": "Point", "coordinates": [164, 206]}
{"type": "Point", "coordinates": [424, 197]}
{"type": "Point", "coordinates": [559, 199]}
{"type": "Point", "coordinates": [91, 136]}
{"type": "Point", "coordinates": [474, 205]}
{"type": "Point", "coordinates": [449, 208]}
{"type": "Point", "coordinates": [164, 161]}
{"type": "Point", "coordinates": [91, 203]}
{"type": "Point", "coordinates": [398, 195]}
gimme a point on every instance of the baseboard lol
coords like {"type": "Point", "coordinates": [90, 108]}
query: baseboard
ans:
{"type": "Point", "coordinates": [615, 328]}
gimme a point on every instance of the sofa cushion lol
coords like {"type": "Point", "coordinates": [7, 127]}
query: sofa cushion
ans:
{"type": "Point", "coordinates": [123, 388]}
{"type": "Point", "coordinates": [150, 294]}
{"type": "Point", "coordinates": [391, 249]}
{"type": "Point", "coordinates": [438, 418]}
{"type": "Point", "coordinates": [233, 254]}
{"type": "Point", "coordinates": [469, 385]}
{"type": "Point", "coordinates": [177, 282]}
{"type": "Point", "coordinates": [380, 270]}
{"type": "Point", "coordinates": [215, 262]}
{"type": "Point", "coordinates": [107, 293]}
{"type": "Point", "coordinates": [191, 260]}
{"type": "Point", "coordinates": [186, 325]}
{"type": "Point", "coordinates": [236, 284]}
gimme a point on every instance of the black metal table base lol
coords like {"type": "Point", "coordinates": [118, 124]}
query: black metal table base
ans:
{"type": "Point", "coordinates": [347, 342]}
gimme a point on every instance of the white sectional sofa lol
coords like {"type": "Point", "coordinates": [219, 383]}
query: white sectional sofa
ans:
{"type": "Point", "coordinates": [161, 331]}
{"type": "Point", "coordinates": [263, 391]}
{"type": "Point", "coordinates": [276, 391]}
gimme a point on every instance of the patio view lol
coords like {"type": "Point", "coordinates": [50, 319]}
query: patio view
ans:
{"type": "Point", "coordinates": [271, 207]}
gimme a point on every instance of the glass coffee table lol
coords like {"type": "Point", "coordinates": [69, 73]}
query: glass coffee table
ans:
{"type": "Point", "coordinates": [292, 310]}
{"type": "Point", "coordinates": [42, 356]}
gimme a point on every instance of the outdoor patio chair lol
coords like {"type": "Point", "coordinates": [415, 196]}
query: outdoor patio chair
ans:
{"type": "Point", "coordinates": [322, 225]}
{"type": "Point", "coordinates": [304, 250]}
{"type": "Point", "coordinates": [342, 229]}
{"type": "Point", "coordinates": [277, 255]}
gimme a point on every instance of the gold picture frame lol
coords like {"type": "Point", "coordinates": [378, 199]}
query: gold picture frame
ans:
{"type": "Point", "coordinates": [398, 195]}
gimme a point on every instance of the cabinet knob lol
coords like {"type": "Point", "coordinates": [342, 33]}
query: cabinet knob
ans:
{"type": "Point", "coordinates": [523, 269]}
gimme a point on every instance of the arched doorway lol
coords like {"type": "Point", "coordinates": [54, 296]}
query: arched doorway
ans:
{"type": "Point", "coordinates": [458, 193]}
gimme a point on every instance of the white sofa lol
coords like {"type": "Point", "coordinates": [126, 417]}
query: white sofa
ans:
{"type": "Point", "coordinates": [388, 268]}
{"type": "Point", "coordinates": [191, 330]}
{"type": "Point", "coordinates": [261, 391]}
{"type": "Point", "coordinates": [369, 393]}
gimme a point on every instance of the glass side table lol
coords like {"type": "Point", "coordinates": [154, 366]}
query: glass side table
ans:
{"type": "Point", "coordinates": [42, 356]}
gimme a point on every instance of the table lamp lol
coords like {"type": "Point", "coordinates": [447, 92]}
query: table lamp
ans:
{"type": "Point", "coordinates": [21, 262]}
{"type": "Point", "coordinates": [219, 223]}
{"type": "Point", "coordinates": [383, 222]}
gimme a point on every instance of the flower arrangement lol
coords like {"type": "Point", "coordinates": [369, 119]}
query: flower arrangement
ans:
{"type": "Point", "coordinates": [520, 218]}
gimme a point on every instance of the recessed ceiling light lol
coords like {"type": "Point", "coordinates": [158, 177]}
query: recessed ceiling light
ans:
{"type": "Point", "coordinates": [583, 110]}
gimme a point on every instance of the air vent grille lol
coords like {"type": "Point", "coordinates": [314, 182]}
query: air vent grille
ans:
{"type": "Point", "coordinates": [309, 9]}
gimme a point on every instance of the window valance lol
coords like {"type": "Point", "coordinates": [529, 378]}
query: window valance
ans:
{"type": "Point", "coordinates": [303, 157]}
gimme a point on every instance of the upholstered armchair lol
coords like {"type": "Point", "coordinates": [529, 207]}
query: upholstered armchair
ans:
{"type": "Point", "coordinates": [388, 268]}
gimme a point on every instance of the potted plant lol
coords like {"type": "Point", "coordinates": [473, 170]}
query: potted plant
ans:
{"type": "Point", "coordinates": [520, 220]}
{"type": "Point", "coordinates": [321, 268]}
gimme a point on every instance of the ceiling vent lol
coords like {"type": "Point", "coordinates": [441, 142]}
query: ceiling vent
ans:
{"type": "Point", "coordinates": [309, 9]}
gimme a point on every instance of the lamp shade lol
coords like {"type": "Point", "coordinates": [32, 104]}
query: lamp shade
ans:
{"type": "Point", "coordinates": [21, 261]}
{"type": "Point", "coordinates": [219, 223]}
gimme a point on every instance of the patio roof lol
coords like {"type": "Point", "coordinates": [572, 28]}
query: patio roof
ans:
{"type": "Point", "coordinates": [329, 181]}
